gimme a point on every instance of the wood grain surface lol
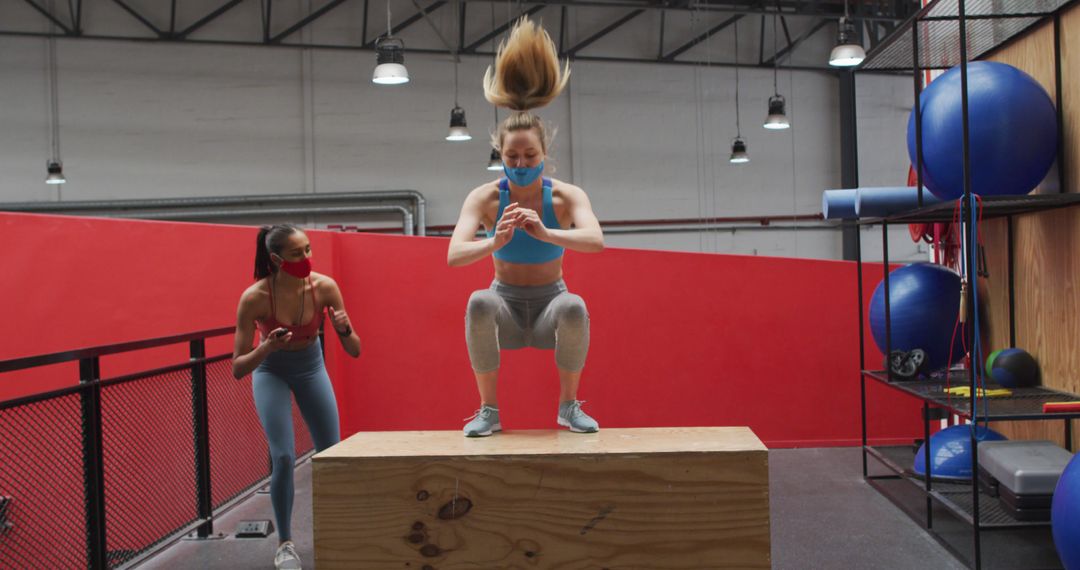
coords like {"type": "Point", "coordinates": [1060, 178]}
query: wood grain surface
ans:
{"type": "Point", "coordinates": [544, 499]}
{"type": "Point", "coordinates": [1047, 244]}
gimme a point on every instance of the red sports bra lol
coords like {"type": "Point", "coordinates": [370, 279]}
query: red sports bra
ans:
{"type": "Point", "coordinates": [299, 332]}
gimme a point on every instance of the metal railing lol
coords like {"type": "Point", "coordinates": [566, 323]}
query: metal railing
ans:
{"type": "Point", "coordinates": [105, 473]}
{"type": "Point", "coordinates": [202, 208]}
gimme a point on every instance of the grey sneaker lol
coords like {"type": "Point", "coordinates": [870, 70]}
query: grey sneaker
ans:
{"type": "Point", "coordinates": [483, 423]}
{"type": "Point", "coordinates": [286, 557]}
{"type": "Point", "coordinates": [571, 416]}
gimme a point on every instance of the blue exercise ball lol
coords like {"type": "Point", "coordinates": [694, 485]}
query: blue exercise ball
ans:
{"type": "Point", "coordinates": [924, 303]}
{"type": "Point", "coordinates": [1065, 515]}
{"type": "Point", "coordinates": [1012, 125]}
{"type": "Point", "coordinates": [950, 452]}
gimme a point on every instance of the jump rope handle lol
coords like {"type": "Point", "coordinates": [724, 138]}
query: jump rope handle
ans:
{"type": "Point", "coordinates": [963, 300]}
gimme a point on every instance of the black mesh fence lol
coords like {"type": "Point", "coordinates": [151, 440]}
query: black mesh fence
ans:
{"type": "Point", "coordinates": [148, 449]}
{"type": "Point", "coordinates": [42, 495]}
{"type": "Point", "coordinates": [150, 482]}
{"type": "Point", "coordinates": [990, 23]}
{"type": "Point", "coordinates": [239, 457]}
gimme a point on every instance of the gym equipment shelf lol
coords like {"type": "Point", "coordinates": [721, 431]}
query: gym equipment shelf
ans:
{"type": "Point", "coordinates": [992, 207]}
{"type": "Point", "coordinates": [989, 24]}
{"type": "Point", "coordinates": [946, 34]}
{"type": "Point", "coordinates": [1023, 404]}
{"type": "Point", "coordinates": [954, 496]}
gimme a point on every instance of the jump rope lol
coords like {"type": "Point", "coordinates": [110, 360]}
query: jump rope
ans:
{"type": "Point", "coordinates": [969, 278]}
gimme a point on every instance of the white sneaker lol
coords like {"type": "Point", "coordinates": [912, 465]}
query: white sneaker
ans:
{"type": "Point", "coordinates": [286, 557]}
{"type": "Point", "coordinates": [571, 416]}
{"type": "Point", "coordinates": [484, 422]}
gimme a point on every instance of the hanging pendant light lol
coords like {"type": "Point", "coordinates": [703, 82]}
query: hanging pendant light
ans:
{"type": "Point", "coordinates": [738, 152]}
{"type": "Point", "coordinates": [390, 55]}
{"type": "Point", "coordinates": [777, 118]}
{"type": "Point", "coordinates": [738, 145]}
{"type": "Point", "coordinates": [848, 51]}
{"type": "Point", "coordinates": [459, 131]}
{"type": "Point", "coordinates": [390, 58]}
{"type": "Point", "coordinates": [495, 162]}
{"type": "Point", "coordinates": [55, 170]}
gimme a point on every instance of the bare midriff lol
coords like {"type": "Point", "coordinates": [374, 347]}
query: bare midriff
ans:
{"type": "Point", "coordinates": [528, 274]}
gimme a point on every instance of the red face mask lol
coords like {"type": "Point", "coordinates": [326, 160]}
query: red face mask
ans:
{"type": "Point", "coordinates": [299, 269]}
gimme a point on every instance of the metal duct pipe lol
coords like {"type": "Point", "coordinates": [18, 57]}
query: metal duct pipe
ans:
{"type": "Point", "coordinates": [717, 229]}
{"type": "Point", "coordinates": [197, 215]}
{"type": "Point", "coordinates": [680, 225]}
{"type": "Point", "coordinates": [687, 228]}
{"type": "Point", "coordinates": [415, 197]}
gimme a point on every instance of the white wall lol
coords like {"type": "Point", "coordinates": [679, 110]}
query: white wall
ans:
{"type": "Point", "coordinates": [142, 120]}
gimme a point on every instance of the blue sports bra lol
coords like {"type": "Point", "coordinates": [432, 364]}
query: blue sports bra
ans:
{"type": "Point", "coordinates": [523, 248]}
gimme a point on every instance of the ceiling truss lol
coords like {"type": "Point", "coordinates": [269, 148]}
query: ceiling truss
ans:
{"type": "Point", "coordinates": [875, 19]}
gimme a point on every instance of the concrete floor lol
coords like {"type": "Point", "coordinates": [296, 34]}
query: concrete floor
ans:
{"type": "Point", "coordinates": [823, 517]}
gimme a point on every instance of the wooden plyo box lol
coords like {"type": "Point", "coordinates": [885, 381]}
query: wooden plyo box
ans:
{"type": "Point", "coordinates": [665, 498]}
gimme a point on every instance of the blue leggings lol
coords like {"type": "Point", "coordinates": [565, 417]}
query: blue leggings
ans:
{"type": "Point", "coordinates": [303, 373]}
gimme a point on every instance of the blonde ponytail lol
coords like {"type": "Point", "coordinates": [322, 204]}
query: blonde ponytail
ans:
{"type": "Point", "coordinates": [527, 74]}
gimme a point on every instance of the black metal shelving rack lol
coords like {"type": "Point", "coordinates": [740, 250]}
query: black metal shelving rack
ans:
{"type": "Point", "coordinates": [945, 34]}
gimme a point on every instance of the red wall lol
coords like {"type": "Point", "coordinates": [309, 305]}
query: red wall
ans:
{"type": "Point", "coordinates": [80, 282]}
{"type": "Point", "coordinates": [677, 338]}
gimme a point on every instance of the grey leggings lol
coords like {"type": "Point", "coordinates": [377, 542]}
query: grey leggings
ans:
{"type": "Point", "coordinates": [511, 317]}
{"type": "Point", "coordinates": [283, 375]}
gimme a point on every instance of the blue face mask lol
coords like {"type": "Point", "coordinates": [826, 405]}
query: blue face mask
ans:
{"type": "Point", "coordinates": [523, 176]}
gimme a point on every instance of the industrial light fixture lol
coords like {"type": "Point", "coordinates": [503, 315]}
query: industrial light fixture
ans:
{"type": "Point", "coordinates": [495, 162]}
{"type": "Point", "coordinates": [738, 152]}
{"type": "Point", "coordinates": [738, 146]}
{"type": "Point", "coordinates": [848, 52]}
{"type": "Point", "coordinates": [55, 171]}
{"type": "Point", "coordinates": [459, 131]}
{"type": "Point", "coordinates": [390, 57]}
{"type": "Point", "coordinates": [777, 118]}
{"type": "Point", "coordinates": [54, 167]}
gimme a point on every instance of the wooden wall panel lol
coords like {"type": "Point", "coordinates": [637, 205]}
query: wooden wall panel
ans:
{"type": "Point", "coordinates": [1047, 245]}
{"type": "Point", "coordinates": [1070, 89]}
{"type": "Point", "coordinates": [1034, 54]}
{"type": "Point", "coordinates": [995, 233]}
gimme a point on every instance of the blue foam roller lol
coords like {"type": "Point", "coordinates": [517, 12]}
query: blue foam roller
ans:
{"type": "Point", "coordinates": [879, 202]}
{"type": "Point", "coordinates": [839, 204]}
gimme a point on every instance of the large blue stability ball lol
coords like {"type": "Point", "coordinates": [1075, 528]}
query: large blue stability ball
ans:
{"type": "Point", "coordinates": [924, 303]}
{"type": "Point", "coordinates": [950, 452]}
{"type": "Point", "coordinates": [1012, 125]}
{"type": "Point", "coordinates": [1065, 515]}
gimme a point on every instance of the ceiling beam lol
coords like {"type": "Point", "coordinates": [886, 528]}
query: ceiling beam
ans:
{"type": "Point", "coordinates": [607, 30]}
{"type": "Point", "coordinates": [671, 55]}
